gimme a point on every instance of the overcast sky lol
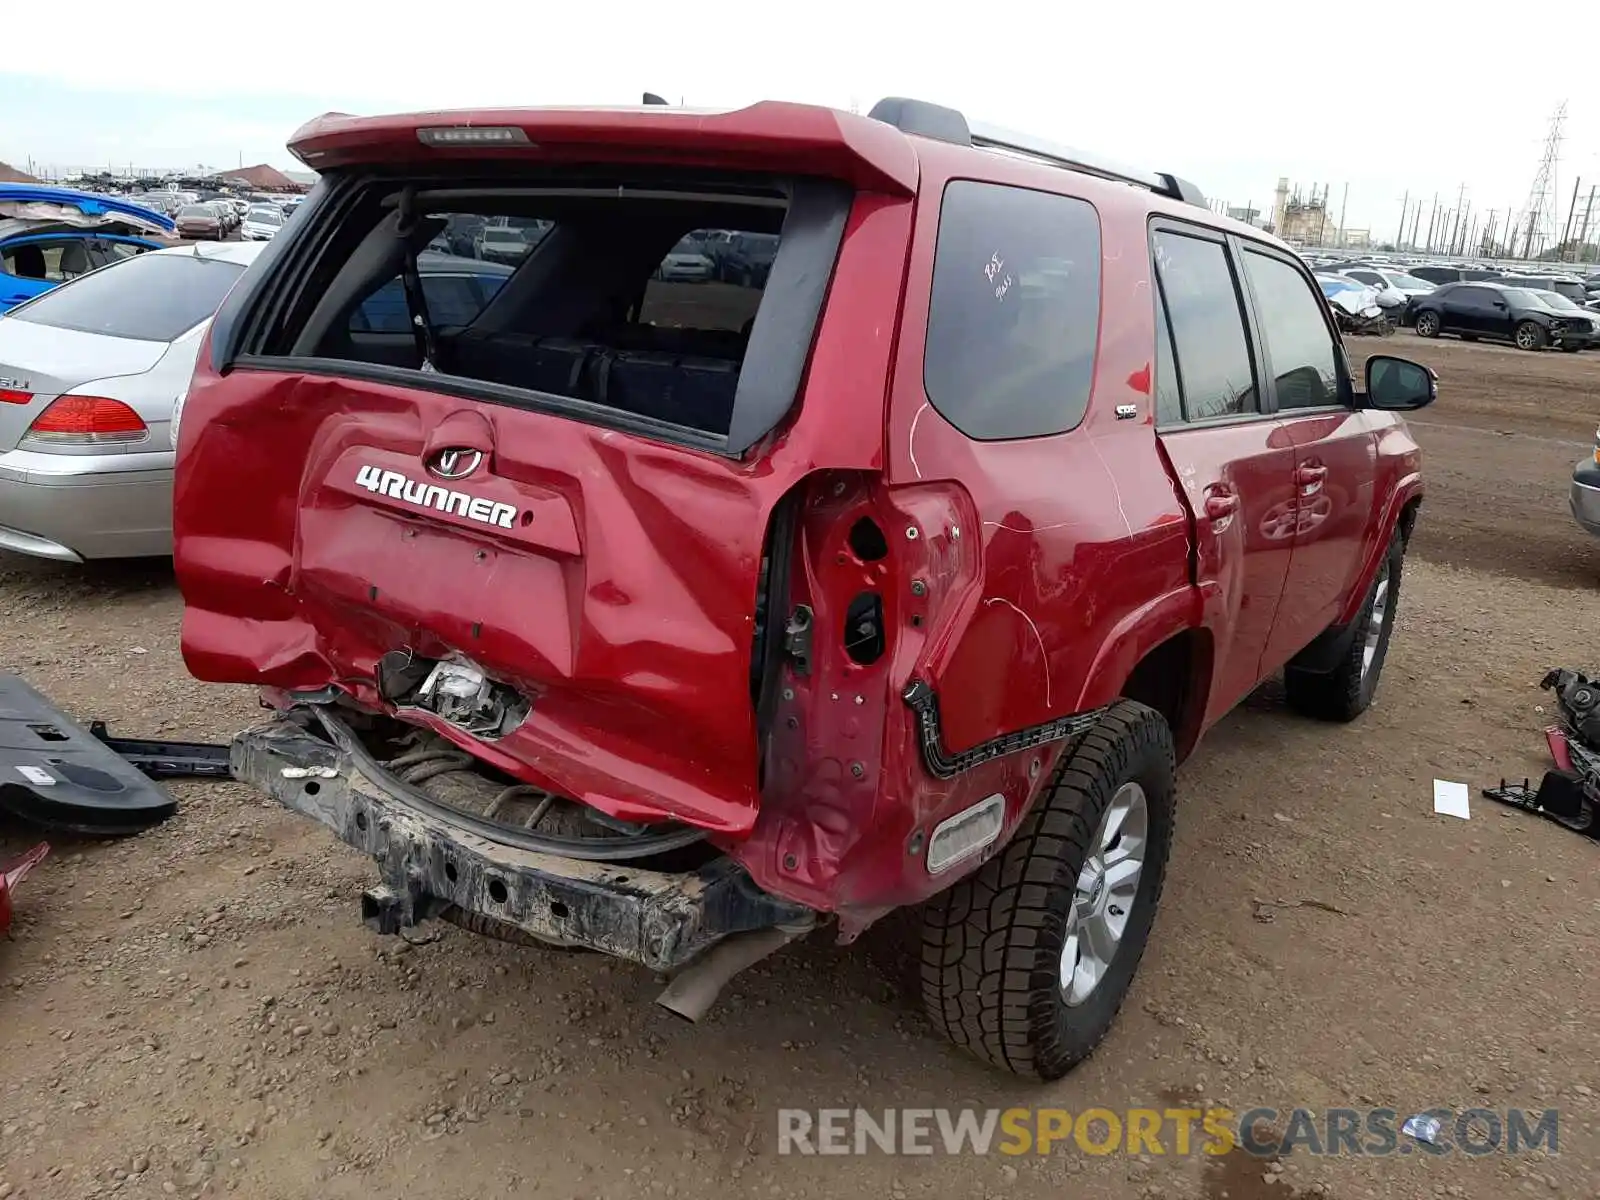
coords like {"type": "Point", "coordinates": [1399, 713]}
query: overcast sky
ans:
{"type": "Point", "coordinates": [1231, 98]}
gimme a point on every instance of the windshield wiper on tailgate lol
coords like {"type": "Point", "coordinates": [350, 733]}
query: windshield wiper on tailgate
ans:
{"type": "Point", "coordinates": [411, 280]}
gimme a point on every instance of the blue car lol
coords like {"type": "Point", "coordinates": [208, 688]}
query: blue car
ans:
{"type": "Point", "coordinates": [49, 235]}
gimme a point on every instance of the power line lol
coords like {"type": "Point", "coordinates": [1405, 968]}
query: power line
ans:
{"type": "Point", "coordinates": [1541, 200]}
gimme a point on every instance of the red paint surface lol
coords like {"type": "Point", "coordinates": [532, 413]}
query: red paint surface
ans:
{"type": "Point", "coordinates": [624, 607]}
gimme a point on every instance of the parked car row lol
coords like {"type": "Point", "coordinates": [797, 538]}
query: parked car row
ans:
{"type": "Point", "coordinates": [92, 376]}
{"type": "Point", "coordinates": [50, 235]}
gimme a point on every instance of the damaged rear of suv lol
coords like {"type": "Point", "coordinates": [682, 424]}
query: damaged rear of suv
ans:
{"type": "Point", "coordinates": [632, 603]}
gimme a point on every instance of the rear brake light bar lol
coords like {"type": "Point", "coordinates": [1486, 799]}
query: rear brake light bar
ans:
{"type": "Point", "coordinates": [472, 135]}
{"type": "Point", "coordinates": [87, 421]}
{"type": "Point", "coordinates": [8, 396]}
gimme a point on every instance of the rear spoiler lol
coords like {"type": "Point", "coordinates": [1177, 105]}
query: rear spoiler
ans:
{"type": "Point", "coordinates": [769, 136]}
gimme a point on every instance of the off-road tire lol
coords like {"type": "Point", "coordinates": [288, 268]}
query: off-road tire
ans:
{"type": "Point", "coordinates": [1427, 325]}
{"type": "Point", "coordinates": [992, 943]}
{"type": "Point", "coordinates": [1347, 691]}
{"type": "Point", "coordinates": [1529, 335]}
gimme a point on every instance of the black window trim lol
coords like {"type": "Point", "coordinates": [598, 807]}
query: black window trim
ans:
{"type": "Point", "coordinates": [1340, 359]}
{"type": "Point", "coordinates": [818, 211]}
{"type": "Point", "coordinates": [1162, 223]}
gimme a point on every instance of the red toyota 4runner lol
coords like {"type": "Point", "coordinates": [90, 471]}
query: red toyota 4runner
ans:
{"type": "Point", "coordinates": [826, 514]}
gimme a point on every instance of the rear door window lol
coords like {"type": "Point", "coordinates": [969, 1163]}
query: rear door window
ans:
{"type": "Point", "coordinates": [1208, 328]}
{"type": "Point", "coordinates": [1299, 344]}
{"type": "Point", "coordinates": [1014, 316]}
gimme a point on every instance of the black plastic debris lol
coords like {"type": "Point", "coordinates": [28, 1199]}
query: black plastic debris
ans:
{"type": "Point", "coordinates": [1569, 794]}
{"type": "Point", "coordinates": [168, 760]}
{"type": "Point", "coordinates": [58, 776]}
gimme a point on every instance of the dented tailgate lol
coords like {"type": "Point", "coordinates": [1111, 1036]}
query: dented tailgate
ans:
{"type": "Point", "coordinates": [611, 580]}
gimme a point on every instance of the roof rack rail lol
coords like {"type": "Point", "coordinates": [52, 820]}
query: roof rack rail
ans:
{"type": "Point", "coordinates": [926, 119]}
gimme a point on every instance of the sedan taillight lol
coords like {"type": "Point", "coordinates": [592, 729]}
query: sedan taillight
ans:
{"type": "Point", "coordinates": [86, 421]}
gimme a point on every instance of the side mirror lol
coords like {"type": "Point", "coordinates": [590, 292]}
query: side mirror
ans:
{"type": "Point", "coordinates": [1398, 384]}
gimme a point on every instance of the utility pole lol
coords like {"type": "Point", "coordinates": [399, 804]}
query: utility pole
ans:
{"type": "Point", "coordinates": [1433, 218]}
{"type": "Point", "coordinates": [1459, 214]}
{"type": "Point", "coordinates": [1343, 201]}
{"type": "Point", "coordinates": [1588, 211]}
{"type": "Point", "coordinates": [1572, 210]}
{"type": "Point", "coordinates": [1486, 245]}
{"type": "Point", "coordinates": [1400, 238]}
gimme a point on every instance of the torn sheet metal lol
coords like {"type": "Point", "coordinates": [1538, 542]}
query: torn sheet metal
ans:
{"type": "Point", "coordinates": [14, 874]}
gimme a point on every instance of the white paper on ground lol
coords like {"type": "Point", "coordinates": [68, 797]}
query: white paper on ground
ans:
{"type": "Point", "coordinates": [1450, 799]}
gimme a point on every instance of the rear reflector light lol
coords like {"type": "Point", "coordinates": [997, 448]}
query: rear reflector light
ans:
{"type": "Point", "coordinates": [87, 421]}
{"type": "Point", "coordinates": [7, 396]}
{"type": "Point", "coordinates": [472, 135]}
{"type": "Point", "coordinates": [969, 832]}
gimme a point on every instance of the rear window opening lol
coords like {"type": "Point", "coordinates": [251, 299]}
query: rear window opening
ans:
{"type": "Point", "coordinates": [650, 303]}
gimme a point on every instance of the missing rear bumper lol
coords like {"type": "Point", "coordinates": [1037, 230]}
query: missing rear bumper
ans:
{"type": "Point", "coordinates": [430, 862]}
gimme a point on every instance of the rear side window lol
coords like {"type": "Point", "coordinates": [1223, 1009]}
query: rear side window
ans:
{"type": "Point", "coordinates": [637, 299]}
{"type": "Point", "coordinates": [154, 297]}
{"type": "Point", "coordinates": [1014, 316]}
{"type": "Point", "coordinates": [1207, 326]}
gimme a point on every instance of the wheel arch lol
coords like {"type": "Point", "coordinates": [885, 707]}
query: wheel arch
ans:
{"type": "Point", "coordinates": [1174, 678]}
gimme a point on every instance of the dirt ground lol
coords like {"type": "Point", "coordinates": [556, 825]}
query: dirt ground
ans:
{"type": "Point", "coordinates": [200, 1010]}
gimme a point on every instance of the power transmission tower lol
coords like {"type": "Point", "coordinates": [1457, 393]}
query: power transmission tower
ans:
{"type": "Point", "coordinates": [1541, 196]}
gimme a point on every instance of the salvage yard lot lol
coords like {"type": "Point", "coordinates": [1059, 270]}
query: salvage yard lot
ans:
{"type": "Point", "coordinates": [200, 1009]}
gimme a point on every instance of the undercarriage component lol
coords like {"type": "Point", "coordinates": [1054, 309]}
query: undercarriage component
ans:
{"type": "Point", "coordinates": [695, 989]}
{"type": "Point", "coordinates": [465, 696]}
{"type": "Point", "coordinates": [631, 895]}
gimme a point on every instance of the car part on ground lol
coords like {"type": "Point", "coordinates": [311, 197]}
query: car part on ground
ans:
{"type": "Point", "coordinates": [167, 760]}
{"type": "Point", "coordinates": [58, 776]}
{"type": "Point", "coordinates": [652, 604]}
{"type": "Point", "coordinates": [1569, 794]}
{"type": "Point", "coordinates": [14, 873]}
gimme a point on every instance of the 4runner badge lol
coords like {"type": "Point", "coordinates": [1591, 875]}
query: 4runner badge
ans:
{"type": "Point", "coordinates": [430, 495]}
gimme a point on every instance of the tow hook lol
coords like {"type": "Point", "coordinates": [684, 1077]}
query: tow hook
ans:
{"type": "Point", "coordinates": [384, 910]}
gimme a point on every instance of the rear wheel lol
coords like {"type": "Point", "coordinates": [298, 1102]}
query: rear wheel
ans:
{"type": "Point", "coordinates": [1530, 335]}
{"type": "Point", "coordinates": [1427, 324]}
{"type": "Point", "coordinates": [1347, 691]}
{"type": "Point", "coordinates": [1026, 962]}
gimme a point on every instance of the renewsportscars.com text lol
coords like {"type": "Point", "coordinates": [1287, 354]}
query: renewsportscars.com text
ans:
{"type": "Point", "coordinates": [1262, 1132]}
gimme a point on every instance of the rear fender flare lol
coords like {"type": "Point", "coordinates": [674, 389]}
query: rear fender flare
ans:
{"type": "Point", "coordinates": [1132, 638]}
{"type": "Point", "coordinates": [1408, 489]}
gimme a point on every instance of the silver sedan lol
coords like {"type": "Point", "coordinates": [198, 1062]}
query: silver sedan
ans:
{"type": "Point", "coordinates": [1585, 495]}
{"type": "Point", "coordinates": [89, 372]}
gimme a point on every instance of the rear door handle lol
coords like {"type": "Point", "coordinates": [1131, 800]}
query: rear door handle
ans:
{"type": "Point", "coordinates": [1221, 504]}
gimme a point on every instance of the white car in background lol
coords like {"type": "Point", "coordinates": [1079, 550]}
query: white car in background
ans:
{"type": "Point", "coordinates": [91, 371]}
{"type": "Point", "coordinates": [261, 223]}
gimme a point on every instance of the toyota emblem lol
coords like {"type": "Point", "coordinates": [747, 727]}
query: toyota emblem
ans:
{"type": "Point", "coordinates": [454, 463]}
